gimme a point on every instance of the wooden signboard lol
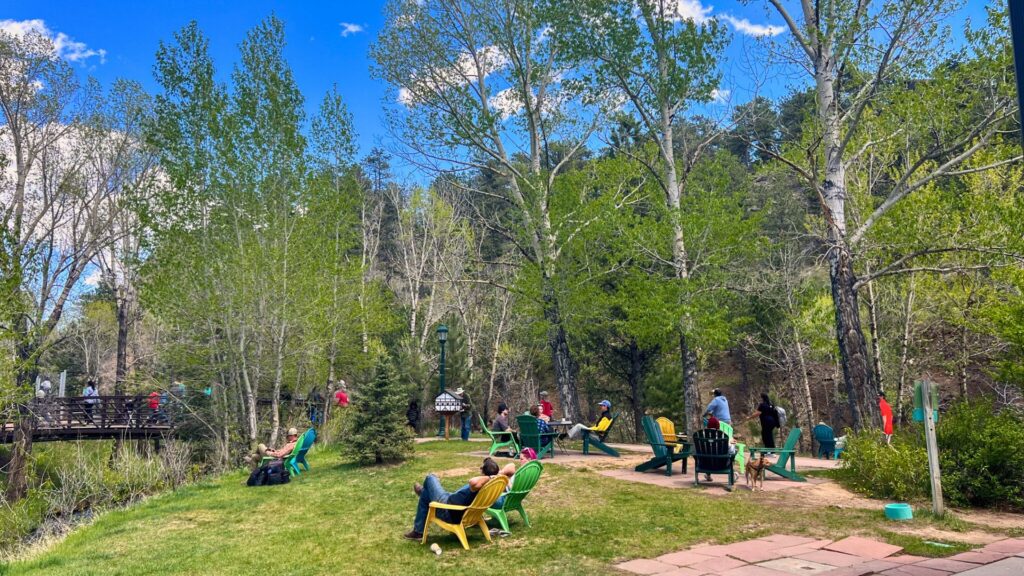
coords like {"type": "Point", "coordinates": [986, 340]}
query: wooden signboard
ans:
{"type": "Point", "coordinates": [446, 405]}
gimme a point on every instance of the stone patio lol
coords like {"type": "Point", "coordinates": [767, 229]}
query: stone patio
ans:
{"type": "Point", "coordinates": [787, 555]}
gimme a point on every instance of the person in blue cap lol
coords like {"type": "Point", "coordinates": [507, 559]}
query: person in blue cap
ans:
{"type": "Point", "coordinates": [604, 420]}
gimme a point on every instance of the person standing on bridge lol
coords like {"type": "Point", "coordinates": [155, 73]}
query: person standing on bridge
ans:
{"type": "Point", "coordinates": [92, 396]}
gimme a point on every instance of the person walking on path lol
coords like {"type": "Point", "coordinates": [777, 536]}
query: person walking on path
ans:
{"type": "Point", "coordinates": [412, 416]}
{"type": "Point", "coordinates": [769, 418]}
{"type": "Point", "coordinates": [719, 407]}
{"type": "Point", "coordinates": [886, 411]}
{"type": "Point", "coordinates": [91, 397]}
{"type": "Point", "coordinates": [467, 413]}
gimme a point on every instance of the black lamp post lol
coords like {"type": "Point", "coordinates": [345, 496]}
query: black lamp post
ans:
{"type": "Point", "coordinates": [442, 337]}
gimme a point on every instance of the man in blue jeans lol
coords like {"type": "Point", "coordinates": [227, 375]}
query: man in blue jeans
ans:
{"type": "Point", "coordinates": [432, 491]}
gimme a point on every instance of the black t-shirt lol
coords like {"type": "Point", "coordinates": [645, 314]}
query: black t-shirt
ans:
{"type": "Point", "coordinates": [768, 417]}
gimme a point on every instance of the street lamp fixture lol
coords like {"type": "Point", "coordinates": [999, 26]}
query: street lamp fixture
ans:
{"type": "Point", "coordinates": [442, 337]}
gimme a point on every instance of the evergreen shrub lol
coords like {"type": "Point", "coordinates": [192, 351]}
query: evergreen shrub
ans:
{"type": "Point", "coordinates": [376, 431]}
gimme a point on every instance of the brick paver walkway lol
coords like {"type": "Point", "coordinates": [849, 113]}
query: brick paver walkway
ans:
{"type": "Point", "coordinates": [785, 555]}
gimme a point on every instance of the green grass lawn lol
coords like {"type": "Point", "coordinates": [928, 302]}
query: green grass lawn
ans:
{"type": "Point", "coordinates": [342, 519]}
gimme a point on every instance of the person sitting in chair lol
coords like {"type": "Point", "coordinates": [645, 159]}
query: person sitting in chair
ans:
{"type": "Point", "coordinates": [292, 438]}
{"type": "Point", "coordinates": [432, 491]}
{"type": "Point", "coordinates": [542, 425]}
{"type": "Point", "coordinates": [604, 420]}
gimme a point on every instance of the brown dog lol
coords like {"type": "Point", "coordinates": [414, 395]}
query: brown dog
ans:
{"type": "Point", "coordinates": [755, 472]}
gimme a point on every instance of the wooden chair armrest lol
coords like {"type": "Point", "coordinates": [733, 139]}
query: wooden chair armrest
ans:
{"type": "Point", "coordinates": [448, 506]}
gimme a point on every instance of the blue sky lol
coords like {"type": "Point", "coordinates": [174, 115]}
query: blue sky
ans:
{"type": "Point", "coordinates": [328, 41]}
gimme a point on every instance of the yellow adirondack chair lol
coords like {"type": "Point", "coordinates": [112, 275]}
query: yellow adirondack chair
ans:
{"type": "Point", "coordinates": [473, 514]}
{"type": "Point", "coordinates": [668, 432]}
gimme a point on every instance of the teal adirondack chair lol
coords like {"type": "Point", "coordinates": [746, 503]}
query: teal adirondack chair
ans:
{"type": "Point", "coordinates": [826, 440]}
{"type": "Point", "coordinates": [531, 437]}
{"type": "Point", "coordinates": [524, 481]}
{"type": "Point", "coordinates": [711, 455]}
{"type": "Point", "coordinates": [597, 440]}
{"type": "Point", "coordinates": [499, 440]}
{"type": "Point", "coordinates": [300, 458]}
{"type": "Point", "coordinates": [787, 455]}
{"type": "Point", "coordinates": [664, 453]}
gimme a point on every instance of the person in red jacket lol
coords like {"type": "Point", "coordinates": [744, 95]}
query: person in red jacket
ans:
{"type": "Point", "coordinates": [546, 409]}
{"type": "Point", "coordinates": [341, 396]}
{"type": "Point", "coordinates": [886, 411]}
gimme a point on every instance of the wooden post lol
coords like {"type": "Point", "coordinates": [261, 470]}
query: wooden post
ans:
{"type": "Point", "coordinates": [933, 452]}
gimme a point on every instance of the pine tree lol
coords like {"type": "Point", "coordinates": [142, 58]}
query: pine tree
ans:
{"type": "Point", "coordinates": [376, 431]}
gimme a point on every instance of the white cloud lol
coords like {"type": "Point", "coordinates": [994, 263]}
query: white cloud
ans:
{"type": "Point", "coordinates": [720, 96]}
{"type": "Point", "coordinates": [744, 26]}
{"type": "Point", "coordinates": [693, 10]}
{"type": "Point", "coordinates": [348, 28]}
{"type": "Point", "coordinates": [465, 71]}
{"type": "Point", "coordinates": [93, 278]}
{"type": "Point", "coordinates": [506, 103]}
{"type": "Point", "coordinates": [63, 45]}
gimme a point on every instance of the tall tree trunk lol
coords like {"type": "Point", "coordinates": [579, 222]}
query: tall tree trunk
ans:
{"type": "Point", "coordinates": [275, 399]}
{"type": "Point", "coordinates": [853, 352]}
{"type": "Point", "coordinates": [121, 368]}
{"type": "Point", "coordinates": [908, 317]}
{"type": "Point", "coordinates": [636, 374]}
{"type": "Point", "coordinates": [494, 349]}
{"type": "Point", "coordinates": [691, 394]}
{"type": "Point", "coordinates": [21, 448]}
{"type": "Point", "coordinates": [965, 359]}
{"type": "Point", "coordinates": [562, 361]}
{"type": "Point", "coordinates": [805, 385]}
{"type": "Point", "coordinates": [876, 354]}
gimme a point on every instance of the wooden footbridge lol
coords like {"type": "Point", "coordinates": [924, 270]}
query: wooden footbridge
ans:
{"type": "Point", "coordinates": [96, 417]}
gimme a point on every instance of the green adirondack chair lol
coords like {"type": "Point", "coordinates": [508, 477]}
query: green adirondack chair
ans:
{"type": "Point", "coordinates": [664, 453]}
{"type": "Point", "coordinates": [597, 440]}
{"type": "Point", "coordinates": [531, 437]}
{"type": "Point", "coordinates": [711, 455]}
{"type": "Point", "coordinates": [499, 440]}
{"type": "Point", "coordinates": [741, 448]}
{"type": "Point", "coordinates": [524, 481]}
{"type": "Point", "coordinates": [289, 460]}
{"type": "Point", "coordinates": [787, 455]}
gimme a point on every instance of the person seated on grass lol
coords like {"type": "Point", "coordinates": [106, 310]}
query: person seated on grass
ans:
{"type": "Point", "coordinates": [290, 440]}
{"type": "Point", "coordinates": [604, 420]}
{"type": "Point", "coordinates": [432, 491]}
{"type": "Point", "coordinates": [542, 426]}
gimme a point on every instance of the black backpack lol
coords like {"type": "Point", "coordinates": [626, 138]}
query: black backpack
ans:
{"type": "Point", "coordinates": [271, 473]}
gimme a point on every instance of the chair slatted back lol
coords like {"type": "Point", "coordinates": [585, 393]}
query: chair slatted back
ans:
{"type": "Point", "coordinates": [305, 443]}
{"type": "Point", "coordinates": [726, 427]}
{"type": "Point", "coordinates": [711, 449]}
{"type": "Point", "coordinates": [484, 499]}
{"type": "Point", "coordinates": [823, 433]}
{"type": "Point", "coordinates": [524, 481]}
{"type": "Point", "coordinates": [529, 432]}
{"type": "Point", "coordinates": [668, 430]}
{"type": "Point", "coordinates": [791, 440]}
{"type": "Point", "coordinates": [654, 437]}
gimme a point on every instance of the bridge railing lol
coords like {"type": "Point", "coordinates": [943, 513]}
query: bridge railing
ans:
{"type": "Point", "coordinates": [96, 412]}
